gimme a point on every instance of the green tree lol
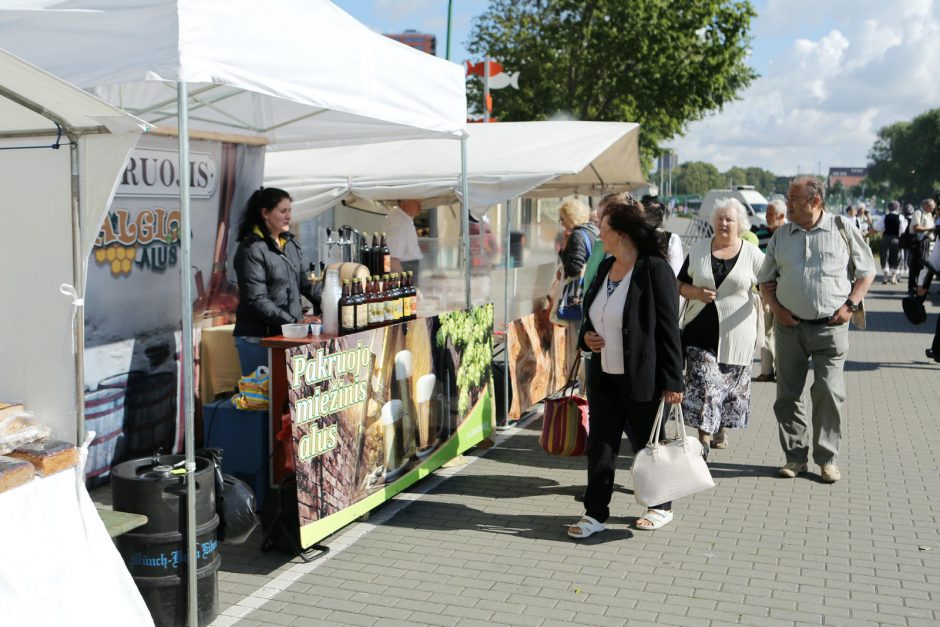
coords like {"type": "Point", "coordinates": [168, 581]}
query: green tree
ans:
{"type": "Point", "coordinates": [906, 157]}
{"type": "Point", "coordinates": [661, 63]}
{"type": "Point", "coordinates": [735, 176]}
{"type": "Point", "coordinates": [697, 177]}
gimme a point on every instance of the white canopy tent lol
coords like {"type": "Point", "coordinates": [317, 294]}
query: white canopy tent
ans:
{"type": "Point", "coordinates": [297, 73]}
{"type": "Point", "coordinates": [506, 160]}
{"type": "Point", "coordinates": [62, 152]}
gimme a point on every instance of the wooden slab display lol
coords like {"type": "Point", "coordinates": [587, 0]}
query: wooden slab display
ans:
{"type": "Point", "coordinates": [538, 365]}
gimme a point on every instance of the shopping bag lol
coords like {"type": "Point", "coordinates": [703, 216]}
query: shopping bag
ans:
{"type": "Point", "coordinates": [669, 470]}
{"type": "Point", "coordinates": [565, 420]}
{"type": "Point", "coordinates": [569, 304]}
{"type": "Point", "coordinates": [253, 390]}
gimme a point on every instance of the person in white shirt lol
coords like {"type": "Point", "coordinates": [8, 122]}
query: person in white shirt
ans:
{"type": "Point", "coordinates": [631, 326]}
{"type": "Point", "coordinates": [402, 238]}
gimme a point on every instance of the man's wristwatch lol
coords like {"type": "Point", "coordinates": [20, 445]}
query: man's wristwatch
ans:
{"type": "Point", "coordinates": [852, 306]}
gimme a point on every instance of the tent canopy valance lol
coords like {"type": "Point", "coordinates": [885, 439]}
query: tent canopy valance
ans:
{"type": "Point", "coordinates": [506, 160]}
{"type": "Point", "coordinates": [301, 73]}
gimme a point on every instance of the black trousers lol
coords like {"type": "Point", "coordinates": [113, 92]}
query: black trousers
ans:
{"type": "Point", "coordinates": [915, 263]}
{"type": "Point", "coordinates": [612, 413]}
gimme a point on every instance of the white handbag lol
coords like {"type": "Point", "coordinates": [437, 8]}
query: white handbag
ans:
{"type": "Point", "coordinates": [670, 470]}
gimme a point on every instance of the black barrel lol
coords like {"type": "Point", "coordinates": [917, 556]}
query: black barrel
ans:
{"type": "Point", "coordinates": [156, 554]}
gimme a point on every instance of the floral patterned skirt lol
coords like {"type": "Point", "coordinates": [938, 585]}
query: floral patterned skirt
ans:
{"type": "Point", "coordinates": [716, 395]}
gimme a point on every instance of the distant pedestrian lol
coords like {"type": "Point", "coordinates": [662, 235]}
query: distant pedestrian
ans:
{"type": "Point", "coordinates": [805, 281]}
{"type": "Point", "coordinates": [921, 230]}
{"type": "Point", "coordinates": [890, 243]}
{"type": "Point", "coordinates": [719, 327]}
{"type": "Point", "coordinates": [776, 217]}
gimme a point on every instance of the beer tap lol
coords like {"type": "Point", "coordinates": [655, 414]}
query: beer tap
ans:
{"type": "Point", "coordinates": [344, 240]}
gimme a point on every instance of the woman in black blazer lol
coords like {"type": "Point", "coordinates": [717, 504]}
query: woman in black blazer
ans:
{"type": "Point", "coordinates": [631, 326]}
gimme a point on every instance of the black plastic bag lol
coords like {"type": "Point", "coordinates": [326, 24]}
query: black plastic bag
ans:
{"type": "Point", "coordinates": [238, 510]}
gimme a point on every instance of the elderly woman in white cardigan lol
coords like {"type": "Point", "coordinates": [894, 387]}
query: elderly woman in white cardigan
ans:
{"type": "Point", "coordinates": [720, 325]}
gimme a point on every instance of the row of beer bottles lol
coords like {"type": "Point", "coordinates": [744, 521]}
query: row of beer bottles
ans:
{"type": "Point", "coordinates": [377, 258]}
{"type": "Point", "coordinates": [376, 302]}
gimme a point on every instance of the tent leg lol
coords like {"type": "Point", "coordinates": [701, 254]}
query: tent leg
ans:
{"type": "Point", "coordinates": [506, 316]}
{"type": "Point", "coordinates": [78, 281]}
{"type": "Point", "coordinates": [465, 216]}
{"type": "Point", "coordinates": [186, 304]}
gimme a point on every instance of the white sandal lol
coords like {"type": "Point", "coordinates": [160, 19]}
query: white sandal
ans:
{"type": "Point", "coordinates": [656, 517]}
{"type": "Point", "coordinates": [587, 526]}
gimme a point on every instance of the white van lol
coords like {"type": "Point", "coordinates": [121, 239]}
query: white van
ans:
{"type": "Point", "coordinates": [753, 201]}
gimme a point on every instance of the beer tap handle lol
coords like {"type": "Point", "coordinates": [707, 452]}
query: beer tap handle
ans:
{"type": "Point", "coordinates": [329, 231]}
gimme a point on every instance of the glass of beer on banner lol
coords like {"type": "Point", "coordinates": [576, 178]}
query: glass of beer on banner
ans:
{"type": "Point", "coordinates": [391, 434]}
{"type": "Point", "coordinates": [426, 419]}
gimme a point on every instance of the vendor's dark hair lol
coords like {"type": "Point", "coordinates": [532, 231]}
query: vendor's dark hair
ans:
{"type": "Point", "coordinates": [630, 219]}
{"type": "Point", "coordinates": [263, 198]}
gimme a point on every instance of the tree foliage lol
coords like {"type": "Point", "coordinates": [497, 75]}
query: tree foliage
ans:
{"type": "Point", "coordinates": [905, 159]}
{"type": "Point", "coordinates": [661, 63]}
{"type": "Point", "coordinates": [697, 177]}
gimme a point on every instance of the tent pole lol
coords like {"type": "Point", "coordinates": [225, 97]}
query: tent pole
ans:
{"type": "Point", "coordinates": [186, 304]}
{"type": "Point", "coordinates": [506, 316]}
{"type": "Point", "coordinates": [465, 215]}
{"type": "Point", "coordinates": [78, 281]}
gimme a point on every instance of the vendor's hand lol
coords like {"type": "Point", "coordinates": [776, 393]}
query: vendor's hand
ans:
{"type": "Point", "coordinates": [673, 398]}
{"type": "Point", "coordinates": [771, 286]}
{"type": "Point", "coordinates": [842, 315]}
{"type": "Point", "coordinates": [705, 295]}
{"type": "Point", "coordinates": [313, 319]}
{"type": "Point", "coordinates": [785, 317]}
{"type": "Point", "coordinates": [594, 341]}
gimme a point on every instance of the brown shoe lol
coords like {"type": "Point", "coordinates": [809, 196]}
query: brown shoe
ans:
{"type": "Point", "coordinates": [720, 439]}
{"type": "Point", "coordinates": [792, 469]}
{"type": "Point", "coordinates": [765, 378]}
{"type": "Point", "coordinates": [830, 473]}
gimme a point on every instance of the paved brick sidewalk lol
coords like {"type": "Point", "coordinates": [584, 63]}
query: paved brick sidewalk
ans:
{"type": "Point", "coordinates": [486, 545]}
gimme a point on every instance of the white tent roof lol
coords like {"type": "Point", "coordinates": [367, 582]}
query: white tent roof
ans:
{"type": "Point", "coordinates": [38, 365]}
{"type": "Point", "coordinates": [506, 160]}
{"type": "Point", "coordinates": [298, 72]}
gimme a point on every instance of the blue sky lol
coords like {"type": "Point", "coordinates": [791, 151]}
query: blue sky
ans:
{"type": "Point", "coordinates": [832, 73]}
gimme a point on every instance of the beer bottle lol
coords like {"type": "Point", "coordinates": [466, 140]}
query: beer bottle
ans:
{"type": "Point", "coordinates": [397, 303]}
{"type": "Point", "coordinates": [364, 253]}
{"type": "Point", "coordinates": [378, 303]}
{"type": "Point", "coordinates": [386, 256]}
{"type": "Point", "coordinates": [375, 262]}
{"type": "Point", "coordinates": [405, 298]}
{"type": "Point", "coordinates": [347, 311]}
{"type": "Point", "coordinates": [412, 295]}
{"type": "Point", "coordinates": [362, 308]}
{"type": "Point", "coordinates": [387, 299]}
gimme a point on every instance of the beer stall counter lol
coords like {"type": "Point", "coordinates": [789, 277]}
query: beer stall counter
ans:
{"type": "Point", "coordinates": [361, 416]}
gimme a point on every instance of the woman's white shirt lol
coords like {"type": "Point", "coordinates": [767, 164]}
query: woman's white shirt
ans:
{"type": "Point", "coordinates": [606, 315]}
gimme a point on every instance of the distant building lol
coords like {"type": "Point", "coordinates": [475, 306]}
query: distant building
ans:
{"type": "Point", "coordinates": [420, 41]}
{"type": "Point", "coordinates": [849, 177]}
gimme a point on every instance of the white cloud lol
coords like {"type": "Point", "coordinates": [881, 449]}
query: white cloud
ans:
{"type": "Point", "coordinates": [853, 66]}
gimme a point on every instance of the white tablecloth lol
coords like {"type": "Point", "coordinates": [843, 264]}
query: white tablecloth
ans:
{"type": "Point", "coordinates": [58, 566]}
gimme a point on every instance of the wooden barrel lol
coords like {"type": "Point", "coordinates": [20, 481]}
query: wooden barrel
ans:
{"type": "Point", "coordinates": [350, 270]}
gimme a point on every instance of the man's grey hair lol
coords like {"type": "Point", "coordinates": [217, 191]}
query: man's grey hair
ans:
{"type": "Point", "coordinates": [778, 205]}
{"type": "Point", "coordinates": [814, 188]}
{"type": "Point", "coordinates": [929, 201]}
{"type": "Point", "coordinates": [740, 213]}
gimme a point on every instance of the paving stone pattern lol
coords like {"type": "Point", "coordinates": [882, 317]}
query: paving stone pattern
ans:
{"type": "Point", "coordinates": [484, 544]}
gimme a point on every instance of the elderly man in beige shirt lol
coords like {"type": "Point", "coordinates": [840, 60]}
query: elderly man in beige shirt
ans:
{"type": "Point", "coordinates": [805, 281]}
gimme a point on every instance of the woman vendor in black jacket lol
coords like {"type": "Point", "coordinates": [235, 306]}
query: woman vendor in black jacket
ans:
{"type": "Point", "coordinates": [271, 273]}
{"type": "Point", "coordinates": [631, 313]}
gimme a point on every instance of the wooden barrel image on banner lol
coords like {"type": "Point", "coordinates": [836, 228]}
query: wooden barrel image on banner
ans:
{"type": "Point", "coordinates": [156, 554]}
{"type": "Point", "coordinates": [350, 270]}
{"type": "Point", "coordinates": [104, 414]}
{"type": "Point", "coordinates": [150, 414]}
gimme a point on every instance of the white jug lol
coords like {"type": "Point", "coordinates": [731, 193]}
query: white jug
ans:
{"type": "Point", "coordinates": [329, 302]}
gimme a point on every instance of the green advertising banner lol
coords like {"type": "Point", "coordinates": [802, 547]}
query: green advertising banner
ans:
{"type": "Point", "coordinates": [374, 412]}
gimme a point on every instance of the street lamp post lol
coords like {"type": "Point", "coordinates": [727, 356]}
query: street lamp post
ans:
{"type": "Point", "coordinates": [450, 15]}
